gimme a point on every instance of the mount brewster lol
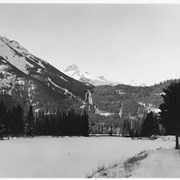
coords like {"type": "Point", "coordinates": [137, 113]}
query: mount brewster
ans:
{"type": "Point", "coordinates": [27, 79]}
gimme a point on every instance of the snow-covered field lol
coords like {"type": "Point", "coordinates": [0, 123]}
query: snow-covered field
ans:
{"type": "Point", "coordinates": [69, 156]}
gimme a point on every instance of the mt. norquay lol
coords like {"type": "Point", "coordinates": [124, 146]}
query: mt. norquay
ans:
{"type": "Point", "coordinates": [27, 79]}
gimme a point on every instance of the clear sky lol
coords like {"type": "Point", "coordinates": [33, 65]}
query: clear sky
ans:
{"type": "Point", "coordinates": [125, 43]}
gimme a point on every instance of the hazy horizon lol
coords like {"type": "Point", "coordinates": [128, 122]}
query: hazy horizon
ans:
{"type": "Point", "coordinates": [126, 43]}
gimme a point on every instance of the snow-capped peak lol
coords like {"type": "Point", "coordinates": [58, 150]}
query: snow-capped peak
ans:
{"type": "Point", "coordinates": [19, 57]}
{"type": "Point", "coordinates": [85, 77]}
{"type": "Point", "coordinates": [15, 54]}
{"type": "Point", "coordinates": [15, 45]}
{"type": "Point", "coordinates": [72, 67]}
{"type": "Point", "coordinates": [102, 78]}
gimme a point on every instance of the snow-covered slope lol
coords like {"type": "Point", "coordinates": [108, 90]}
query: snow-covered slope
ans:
{"type": "Point", "coordinates": [159, 164]}
{"type": "Point", "coordinates": [34, 80]}
{"type": "Point", "coordinates": [14, 54]}
{"type": "Point", "coordinates": [74, 72]}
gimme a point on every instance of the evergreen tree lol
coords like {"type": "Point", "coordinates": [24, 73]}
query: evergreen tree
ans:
{"type": "Point", "coordinates": [170, 114]}
{"type": "Point", "coordinates": [150, 126]}
{"type": "Point", "coordinates": [8, 124]}
{"type": "Point", "coordinates": [3, 115]}
{"type": "Point", "coordinates": [29, 126]}
{"type": "Point", "coordinates": [156, 125]}
{"type": "Point", "coordinates": [18, 123]}
{"type": "Point", "coordinates": [2, 130]}
{"type": "Point", "coordinates": [147, 127]}
{"type": "Point", "coordinates": [85, 127]}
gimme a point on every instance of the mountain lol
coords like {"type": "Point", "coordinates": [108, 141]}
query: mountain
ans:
{"type": "Point", "coordinates": [27, 79]}
{"type": "Point", "coordinates": [130, 101]}
{"type": "Point", "coordinates": [74, 72]}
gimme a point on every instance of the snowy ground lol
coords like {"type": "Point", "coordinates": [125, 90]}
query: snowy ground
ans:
{"type": "Point", "coordinates": [159, 164]}
{"type": "Point", "coordinates": [69, 156]}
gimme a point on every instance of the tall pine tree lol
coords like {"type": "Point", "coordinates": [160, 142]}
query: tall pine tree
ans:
{"type": "Point", "coordinates": [29, 126]}
{"type": "Point", "coordinates": [3, 114]}
{"type": "Point", "coordinates": [170, 114]}
{"type": "Point", "coordinates": [150, 126]}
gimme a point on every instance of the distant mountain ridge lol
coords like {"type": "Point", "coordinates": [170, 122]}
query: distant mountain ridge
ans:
{"type": "Point", "coordinates": [74, 72]}
{"type": "Point", "coordinates": [132, 100]}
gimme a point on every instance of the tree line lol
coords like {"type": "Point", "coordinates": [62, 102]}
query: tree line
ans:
{"type": "Point", "coordinates": [69, 123]}
{"type": "Point", "coordinates": [14, 123]}
{"type": "Point", "coordinates": [145, 126]}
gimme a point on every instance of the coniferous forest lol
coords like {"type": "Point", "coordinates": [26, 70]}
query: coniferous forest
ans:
{"type": "Point", "coordinates": [14, 123]}
{"type": "Point", "coordinates": [146, 126]}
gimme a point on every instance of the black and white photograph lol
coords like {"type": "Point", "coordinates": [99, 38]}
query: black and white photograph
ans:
{"type": "Point", "coordinates": [89, 90]}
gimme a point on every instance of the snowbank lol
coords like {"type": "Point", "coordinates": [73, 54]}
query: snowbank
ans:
{"type": "Point", "coordinates": [159, 164]}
